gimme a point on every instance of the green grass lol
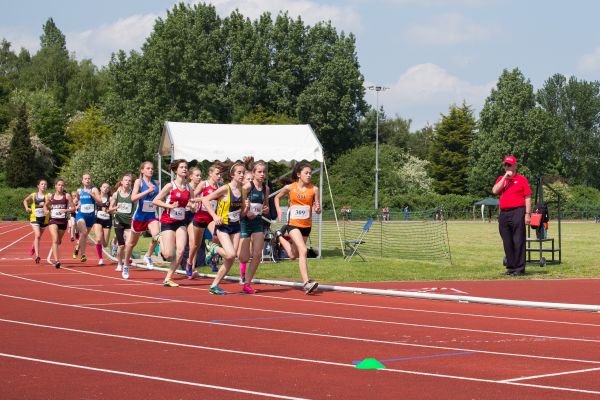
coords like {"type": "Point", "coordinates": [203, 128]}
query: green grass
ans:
{"type": "Point", "coordinates": [476, 250]}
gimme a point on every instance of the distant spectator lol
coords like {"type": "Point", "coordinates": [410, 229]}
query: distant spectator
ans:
{"type": "Point", "coordinates": [406, 212]}
{"type": "Point", "coordinates": [385, 213]}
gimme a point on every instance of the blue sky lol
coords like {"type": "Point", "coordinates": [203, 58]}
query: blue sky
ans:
{"type": "Point", "coordinates": [429, 53]}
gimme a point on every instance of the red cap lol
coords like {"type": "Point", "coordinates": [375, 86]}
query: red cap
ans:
{"type": "Point", "coordinates": [509, 160]}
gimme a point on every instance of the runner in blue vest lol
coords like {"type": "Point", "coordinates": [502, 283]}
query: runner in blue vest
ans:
{"type": "Point", "coordinates": [85, 217]}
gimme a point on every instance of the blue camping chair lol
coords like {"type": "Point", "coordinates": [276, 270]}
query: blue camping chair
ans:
{"type": "Point", "coordinates": [352, 245]}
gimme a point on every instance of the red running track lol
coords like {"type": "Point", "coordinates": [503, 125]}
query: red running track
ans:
{"type": "Point", "coordinates": [83, 332]}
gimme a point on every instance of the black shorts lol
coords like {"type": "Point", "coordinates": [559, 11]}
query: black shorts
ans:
{"type": "Point", "coordinates": [305, 231]}
{"type": "Point", "coordinates": [229, 229]}
{"type": "Point", "coordinates": [104, 223]}
{"type": "Point", "coordinates": [61, 226]}
{"type": "Point", "coordinates": [173, 226]}
{"type": "Point", "coordinates": [40, 221]}
{"type": "Point", "coordinates": [200, 225]}
{"type": "Point", "coordinates": [120, 232]}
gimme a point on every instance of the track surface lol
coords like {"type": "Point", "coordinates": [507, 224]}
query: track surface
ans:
{"type": "Point", "coordinates": [83, 332]}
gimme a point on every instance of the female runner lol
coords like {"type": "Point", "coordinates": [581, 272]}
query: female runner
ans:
{"type": "Point", "coordinates": [230, 209]}
{"type": "Point", "coordinates": [57, 206]}
{"type": "Point", "coordinates": [103, 221]}
{"type": "Point", "coordinates": [304, 197]}
{"type": "Point", "coordinates": [38, 216]}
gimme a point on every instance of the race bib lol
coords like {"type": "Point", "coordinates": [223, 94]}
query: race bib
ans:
{"type": "Point", "coordinates": [39, 212]}
{"type": "Point", "coordinates": [234, 216]}
{"type": "Point", "coordinates": [213, 204]}
{"type": "Point", "coordinates": [58, 213]}
{"type": "Point", "coordinates": [87, 208]}
{"type": "Point", "coordinates": [103, 215]}
{"type": "Point", "coordinates": [256, 208]}
{"type": "Point", "coordinates": [148, 206]}
{"type": "Point", "coordinates": [300, 212]}
{"type": "Point", "coordinates": [177, 213]}
{"type": "Point", "coordinates": [124, 208]}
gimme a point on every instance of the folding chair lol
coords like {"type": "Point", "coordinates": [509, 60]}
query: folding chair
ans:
{"type": "Point", "coordinates": [352, 245]}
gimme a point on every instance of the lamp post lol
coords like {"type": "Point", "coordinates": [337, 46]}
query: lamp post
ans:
{"type": "Point", "coordinates": [377, 89]}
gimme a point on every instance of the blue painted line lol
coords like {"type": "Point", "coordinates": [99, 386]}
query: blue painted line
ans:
{"type": "Point", "coordinates": [259, 318]}
{"type": "Point", "coordinates": [460, 353]}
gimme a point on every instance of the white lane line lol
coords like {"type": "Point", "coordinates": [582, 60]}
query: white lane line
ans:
{"type": "Point", "coordinates": [285, 331]}
{"type": "Point", "coordinates": [12, 230]}
{"type": "Point", "coordinates": [16, 241]}
{"type": "Point", "coordinates": [325, 316]}
{"type": "Point", "coordinates": [383, 307]}
{"type": "Point", "coordinates": [578, 371]}
{"type": "Point", "coordinates": [150, 377]}
{"type": "Point", "coordinates": [125, 303]}
{"type": "Point", "coordinates": [329, 363]}
{"type": "Point", "coordinates": [108, 284]}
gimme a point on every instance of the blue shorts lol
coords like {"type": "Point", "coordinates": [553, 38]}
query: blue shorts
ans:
{"type": "Point", "coordinates": [90, 219]}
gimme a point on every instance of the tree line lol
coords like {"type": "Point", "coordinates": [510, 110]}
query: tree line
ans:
{"type": "Point", "coordinates": [62, 116]}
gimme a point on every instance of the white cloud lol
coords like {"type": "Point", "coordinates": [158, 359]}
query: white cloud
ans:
{"type": "Point", "coordinates": [343, 18]}
{"type": "Point", "coordinates": [590, 62]}
{"type": "Point", "coordinates": [98, 43]}
{"type": "Point", "coordinates": [20, 39]}
{"type": "Point", "coordinates": [447, 29]}
{"type": "Point", "coordinates": [425, 91]}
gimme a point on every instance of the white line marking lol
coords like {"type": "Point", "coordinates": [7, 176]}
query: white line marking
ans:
{"type": "Point", "coordinates": [327, 316]}
{"type": "Point", "coordinates": [330, 363]}
{"type": "Point", "coordinates": [379, 307]}
{"type": "Point", "coordinates": [11, 230]}
{"type": "Point", "coordinates": [150, 377]}
{"type": "Point", "coordinates": [16, 241]}
{"type": "Point", "coordinates": [109, 284]}
{"type": "Point", "coordinates": [120, 304]}
{"type": "Point", "coordinates": [579, 371]}
{"type": "Point", "coordinates": [357, 339]}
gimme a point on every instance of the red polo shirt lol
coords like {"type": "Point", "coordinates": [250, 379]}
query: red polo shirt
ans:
{"type": "Point", "coordinates": [514, 191]}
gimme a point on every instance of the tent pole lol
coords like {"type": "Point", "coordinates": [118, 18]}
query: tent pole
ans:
{"type": "Point", "coordinates": [321, 214]}
{"type": "Point", "coordinates": [159, 161]}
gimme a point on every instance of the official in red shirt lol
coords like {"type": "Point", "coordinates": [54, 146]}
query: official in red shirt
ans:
{"type": "Point", "coordinates": [515, 213]}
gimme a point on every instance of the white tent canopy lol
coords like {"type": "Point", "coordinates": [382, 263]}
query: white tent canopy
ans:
{"type": "Point", "coordinates": [219, 142]}
{"type": "Point", "coordinates": [193, 141]}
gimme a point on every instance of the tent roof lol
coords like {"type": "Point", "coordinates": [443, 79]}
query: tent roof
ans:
{"type": "Point", "coordinates": [490, 201]}
{"type": "Point", "coordinates": [194, 141]}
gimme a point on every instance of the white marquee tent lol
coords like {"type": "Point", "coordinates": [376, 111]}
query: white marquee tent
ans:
{"type": "Point", "coordinates": [212, 142]}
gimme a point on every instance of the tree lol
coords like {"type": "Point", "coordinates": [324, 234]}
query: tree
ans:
{"type": "Point", "coordinates": [449, 152]}
{"type": "Point", "coordinates": [20, 170]}
{"type": "Point", "coordinates": [85, 127]}
{"type": "Point", "coordinates": [576, 106]}
{"type": "Point", "coordinates": [8, 77]}
{"type": "Point", "coordinates": [510, 123]}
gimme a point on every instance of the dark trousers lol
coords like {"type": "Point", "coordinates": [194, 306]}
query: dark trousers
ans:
{"type": "Point", "coordinates": [511, 225]}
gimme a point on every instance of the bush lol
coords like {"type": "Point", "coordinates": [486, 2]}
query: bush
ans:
{"type": "Point", "coordinates": [11, 202]}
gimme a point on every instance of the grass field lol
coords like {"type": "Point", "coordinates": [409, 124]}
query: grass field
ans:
{"type": "Point", "coordinates": [476, 250]}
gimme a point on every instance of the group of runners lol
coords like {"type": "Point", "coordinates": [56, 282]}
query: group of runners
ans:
{"type": "Point", "coordinates": [232, 214]}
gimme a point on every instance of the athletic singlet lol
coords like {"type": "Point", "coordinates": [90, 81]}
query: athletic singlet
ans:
{"type": "Point", "coordinates": [257, 198]}
{"type": "Point", "coordinates": [230, 207]}
{"type": "Point", "coordinates": [146, 210]}
{"type": "Point", "coordinates": [177, 214]}
{"type": "Point", "coordinates": [37, 208]}
{"type": "Point", "coordinates": [87, 204]}
{"type": "Point", "coordinates": [102, 213]}
{"type": "Point", "coordinates": [124, 209]}
{"type": "Point", "coordinates": [301, 202]}
{"type": "Point", "coordinates": [58, 210]}
{"type": "Point", "coordinates": [202, 214]}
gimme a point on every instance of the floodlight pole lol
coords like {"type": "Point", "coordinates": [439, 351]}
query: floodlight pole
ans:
{"type": "Point", "coordinates": [377, 89]}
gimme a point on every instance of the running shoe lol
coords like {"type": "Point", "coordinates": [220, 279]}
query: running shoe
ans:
{"type": "Point", "coordinates": [57, 264]}
{"type": "Point", "coordinates": [75, 252]}
{"type": "Point", "coordinates": [170, 283]}
{"type": "Point", "coordinates": [72, 239]}
{"type": "Point", "coordinates": [242, 279]}
{"type": "Point", "coordinates": [37, 260]}
{"type": "Point", "coordinates": [216, 290]}
{"type": "Point", "coordinates": [119, 268]}
{"type": "Point", "coordinates": [113, 249]}
{"type": "Point", "coordinates": [248, 289]}
{"type": "Point", "coordinates": [310, 286]}
{"type": "Point", "coordinates": [148, 260]}
{"type": "Point", "coordinates": [83, 258]}
{"type": "Point", "coordinates": [188, 269]}
{"type": "Point", "coordinates": [101, 261]}
{"type": "Point", "coordinates": [125, 272]}
{"type": "Point", "coordinates": [76, 235]}
{"type": "Point", "coordinates": [214, 268]}
{"type": "Point", "coordinates": [32, 251]}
